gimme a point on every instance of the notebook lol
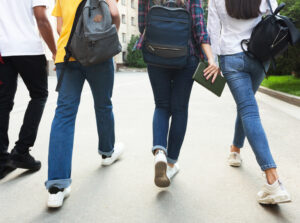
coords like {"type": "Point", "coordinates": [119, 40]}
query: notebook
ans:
{"type": "Point", "coordinates": [217, 87]}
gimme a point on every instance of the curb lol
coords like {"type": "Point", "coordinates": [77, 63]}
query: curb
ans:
{"type": "Point", "coordinates": [291, 99]}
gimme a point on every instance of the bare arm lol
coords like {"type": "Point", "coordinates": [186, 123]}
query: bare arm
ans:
{"type": "Point", "coordinates": [45, 27]}
{"type": "Point", "coordinates": [114, 12]}
{"type": "Point", "coordinates": [59, 21]}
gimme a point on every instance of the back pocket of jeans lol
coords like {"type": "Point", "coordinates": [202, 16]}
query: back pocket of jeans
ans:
{"type": "Point", "coordinates": [232, 63]}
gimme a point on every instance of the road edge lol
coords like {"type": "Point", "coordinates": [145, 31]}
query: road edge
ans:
{"type": "Point", "coordinates": [291, 99]}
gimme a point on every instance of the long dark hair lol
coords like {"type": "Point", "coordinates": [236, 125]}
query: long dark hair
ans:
{"type": "Point", "coordinates": [243, 9]}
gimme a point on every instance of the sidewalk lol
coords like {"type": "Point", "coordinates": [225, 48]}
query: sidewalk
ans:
{"type": "Point", "coordinates": [206, 190]}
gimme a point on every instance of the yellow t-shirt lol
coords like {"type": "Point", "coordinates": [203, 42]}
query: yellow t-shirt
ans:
{"type": "Point", "coordinates": [67, 10]}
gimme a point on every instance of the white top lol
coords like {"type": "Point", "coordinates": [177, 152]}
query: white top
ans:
{"type": "Point", "coordinates": [226, 33]}
{"type": "Point", "coordinates": [18, 31]}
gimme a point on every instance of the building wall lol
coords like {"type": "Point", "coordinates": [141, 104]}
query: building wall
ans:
{"type": "Point", "coordinates": [129, 13]}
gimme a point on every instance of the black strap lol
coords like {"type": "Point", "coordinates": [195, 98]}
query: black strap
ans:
{"type": "Point", "coordinates": [270, 6]}
{"type": "Point", "coordinates": [68, 53]}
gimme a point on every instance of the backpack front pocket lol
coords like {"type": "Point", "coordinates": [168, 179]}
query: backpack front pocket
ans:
{"type": "Point", "coordinates": [166, 51]}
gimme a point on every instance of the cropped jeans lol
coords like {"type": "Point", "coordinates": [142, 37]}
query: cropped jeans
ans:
{"type": "Point", "coordinates": [244, 76]}
{"type": "Point", "coordinates": [172, 90]}
{"type": "Point", "coordinates": [100, 78]}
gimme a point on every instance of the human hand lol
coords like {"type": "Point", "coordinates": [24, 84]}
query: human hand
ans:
{"type": "Point", "coordinates": [211, 71]}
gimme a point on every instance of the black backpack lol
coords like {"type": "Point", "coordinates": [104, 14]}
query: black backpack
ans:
{"type": "Point", "coordinates": [271, 37]}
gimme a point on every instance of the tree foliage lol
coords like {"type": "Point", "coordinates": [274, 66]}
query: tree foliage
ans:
{"type": "Point", "coordinates": [290, 61]}
{"type": "Point", "coordinates": [134, 57]}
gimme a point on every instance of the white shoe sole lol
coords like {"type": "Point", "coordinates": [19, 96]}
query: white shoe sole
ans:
{"type": "Point", "coordinates": [275, 200]}
{"type": "Point", "coordinates": [234, 164]}
{"type": "Point", "coordinates": [161, 179]}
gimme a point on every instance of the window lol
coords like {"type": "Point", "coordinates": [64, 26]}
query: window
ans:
{"type": "Point", "coordinates": [123, 2]}
{"type": "Point", "coordinates": [132, 21]}
{"type": "Point", "coordinates": [124, 56]}
{"type": "Point", "coordinates": [123, 19]}
{"type": "Point", "coordinates": [132, 4]}
{"type": "Point", "coordinates": [124, 37]}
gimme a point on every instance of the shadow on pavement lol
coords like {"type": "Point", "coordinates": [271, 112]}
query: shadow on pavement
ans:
{"type": "Point", "coordinates": [163, 196]}
{"type": "Point", "coordinates": [276, 212]}
{"type": "Point", "coordinates": [17, 177]}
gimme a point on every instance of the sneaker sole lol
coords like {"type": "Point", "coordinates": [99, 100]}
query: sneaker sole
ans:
{"type": "Point", "coordinates": [235, 164]}
{"type": "Point", "coordinates": [25, 166]}
{"type": "Point", "coordinates": [161, 179]}
{"type": "Point", "coordinates": [54, 205]}
{"type": "Point", "coordinates": [277, 200]}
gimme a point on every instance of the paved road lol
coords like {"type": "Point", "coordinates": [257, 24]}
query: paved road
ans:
{"type": "Point", "coordinates": [206, 189]}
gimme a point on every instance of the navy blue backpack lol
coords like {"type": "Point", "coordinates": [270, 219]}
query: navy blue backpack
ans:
{"type": "Point", "coordinates": [167, 35]}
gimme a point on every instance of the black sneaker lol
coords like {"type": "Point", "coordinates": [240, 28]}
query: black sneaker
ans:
{"type": "Point", "coordinates": [5, 167]}
{"type": "Point", "coordinates": [24, 160]}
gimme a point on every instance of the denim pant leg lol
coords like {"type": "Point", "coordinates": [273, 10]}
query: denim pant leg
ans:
{"type": "Point", "coordinates": [62, 130]}
{"type": "Point", "coordinates": [180, 96]}
{"type": "Point", "coordinates": [257, 76]}
{"type": "Point", "coordinates": [160, 79]}
{"type": "Point", "coordinates": [101, 81]}
{"type": "Point", "coordinates": [240, 84]}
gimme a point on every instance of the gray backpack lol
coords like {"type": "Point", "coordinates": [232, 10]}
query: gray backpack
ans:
{"type": "Point", "coordinates": [93, 39]}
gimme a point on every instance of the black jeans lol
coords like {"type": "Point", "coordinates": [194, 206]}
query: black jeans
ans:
{"type": "Point", "coordinates": [33, 70]}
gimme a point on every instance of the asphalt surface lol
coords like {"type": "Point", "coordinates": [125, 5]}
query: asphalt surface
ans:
{"type": "Point", "coordinates": [206, 188]}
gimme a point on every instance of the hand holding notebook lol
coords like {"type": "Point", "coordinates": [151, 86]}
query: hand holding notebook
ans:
{"type": "Point", "coordinates": [217, 87]}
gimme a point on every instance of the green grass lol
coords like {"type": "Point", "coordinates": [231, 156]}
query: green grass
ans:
{"type": "Point", "coordinates": [287, 84]}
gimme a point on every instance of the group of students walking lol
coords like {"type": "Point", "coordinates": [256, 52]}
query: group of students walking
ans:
{"type": "Point", "coordinates": [229, 22]}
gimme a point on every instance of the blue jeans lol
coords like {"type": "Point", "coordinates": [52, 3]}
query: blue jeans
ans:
{"type": "Point", "coordinates": [244, 76]}
{"type": "Point", "coordinates": [171, 89]}
{"type": "Point", "coordinates": [100, 78]}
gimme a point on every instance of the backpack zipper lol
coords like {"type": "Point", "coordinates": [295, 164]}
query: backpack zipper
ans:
{"type": "Point", "coordinates": [163, 48]}
{"type": "Point", "coordinates": [276, 43]}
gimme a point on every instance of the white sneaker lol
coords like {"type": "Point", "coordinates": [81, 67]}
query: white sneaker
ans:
{"type": "Point", "coordinates": [160, 162]}
{"type": "Point", "coordinates": [234, 159]}
{"type": "Point", "coordinates": [172, 171]}
{"type": "Point", "coordinates": [273, 194]}
{"type": "Point", "coordinates": [118, 151]}
{"type": "Point", "coordinates": [56, 200]}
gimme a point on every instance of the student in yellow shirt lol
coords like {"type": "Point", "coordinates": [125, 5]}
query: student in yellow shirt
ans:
{"type": "Point", "coordinates": [100, 78]}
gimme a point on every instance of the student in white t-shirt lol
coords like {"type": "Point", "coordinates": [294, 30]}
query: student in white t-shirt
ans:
{"type": "Point", "coordinates": [22, 53]}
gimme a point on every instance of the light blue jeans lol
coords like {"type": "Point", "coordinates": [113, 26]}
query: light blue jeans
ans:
{"type": "Point", "coordinates": [244, 76]}
{"type": "Point", "coordinates": [100, 78]}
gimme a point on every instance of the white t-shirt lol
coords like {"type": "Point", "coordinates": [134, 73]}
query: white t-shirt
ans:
{"type": "Point", "coordinates": [18, 31]}
{"type": "Point", "coordinates": [226, 33]}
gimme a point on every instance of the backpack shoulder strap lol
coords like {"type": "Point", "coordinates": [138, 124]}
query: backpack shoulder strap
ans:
{"type": "Point", "coordinates": [270, 6]}
{"type": "Point", "coordinates": [68, 53]}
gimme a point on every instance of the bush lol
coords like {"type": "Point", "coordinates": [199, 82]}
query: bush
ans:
{"type": "Point", "coordinates": [134, 57]}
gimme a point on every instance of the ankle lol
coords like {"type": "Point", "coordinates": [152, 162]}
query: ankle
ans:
{"type": "Point", "coordinates": [171, 165]}
{"type": "Point", "coordinates": [235, 149]}
{"type": "Point", "coordinates": [271, 175]}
